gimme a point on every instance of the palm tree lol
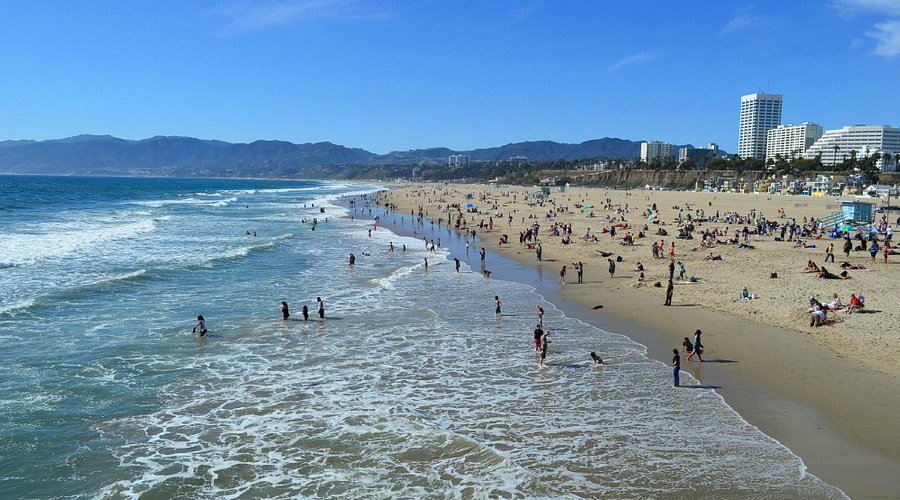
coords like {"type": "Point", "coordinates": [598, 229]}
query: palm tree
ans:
{"type": "Point", "coordinates": [834, 158]}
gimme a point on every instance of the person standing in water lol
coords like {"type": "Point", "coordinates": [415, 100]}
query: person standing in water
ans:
{"type": "Point", "coordinates": [497, 304]}
{"type": "Point", "coordinates": [321, 306]}
{"type": "Point", "coordinates": [426, 264]}
{"type": "Point", "coordinates": [676, 366]}
{"type": "Point", "coordinates": [457, 263]}
{"type": "Point", "coordinates": [201, 326]}
{"type": "Point", "coordinates": [305, 313]}
{"type": "Point", "coordinates": [285, 313]}
{"type": "Point", "coordinates": [597, 359]}
{"type": "Point", "coordinates": [545, 342]}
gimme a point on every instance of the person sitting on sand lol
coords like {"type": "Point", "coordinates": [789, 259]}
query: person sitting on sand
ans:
{"type": "Point", "coordinates": [687, 345]}
{"type": "Point", "coordinates": [597, 359]}
{"type": "Point", "coordinates": [638, 267]}
{"type": "Point", "coordinates": [811, 267]}
{"type": "Point", "coordinates": [712, 257]}
{"type": "Point", "coordinates": [856, 303]}
{"type": "Point", "coordinates": [744, 296]}
{"type": "Point", "coordinates": [816, 316]}
{"type": "Point", "coordinates": [835, 303]}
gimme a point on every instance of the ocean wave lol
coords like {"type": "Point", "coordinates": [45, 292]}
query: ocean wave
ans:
{"type": "Point", "coordinates": [184, 201]}
{"type": "Point", "coordinates": [29, 248]}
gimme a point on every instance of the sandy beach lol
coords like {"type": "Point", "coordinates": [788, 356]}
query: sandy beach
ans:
{"type": "Point", "coordinates": [827, 392]}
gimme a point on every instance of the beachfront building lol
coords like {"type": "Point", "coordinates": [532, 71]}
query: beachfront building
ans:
{"type": "Point", "coordinates": [759, 114]}
{"type": "Point", "coordinates": [835, 146]}
{"type": "Point", "coordinates": [655, 150]}
{"type": "Point", "coordinates": [699, 155]}
{"type": "Point", "coordinates": [791, 141]}
{"type": "Point", "coordinates": [457, 161]}
{"type": "Point", "coordinates": [819, 187]}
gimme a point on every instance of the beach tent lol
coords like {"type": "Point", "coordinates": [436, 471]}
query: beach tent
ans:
{"type": "Point", "coordinates": [470, 205]}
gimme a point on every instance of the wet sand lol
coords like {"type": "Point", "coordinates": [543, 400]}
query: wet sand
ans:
{"type": "Point", "coordinates": [835, 412]}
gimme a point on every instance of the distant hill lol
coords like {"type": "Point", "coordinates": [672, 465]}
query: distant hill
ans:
{"type": "Point", "coordinates": [187, 156]}
{"type": "Point", "coordinates": [106, 155]}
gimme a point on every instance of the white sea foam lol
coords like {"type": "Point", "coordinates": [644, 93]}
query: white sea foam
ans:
{"type": "Point", "coordinates": [19, 249]}
{"type": "Point", "coordinates": [430, 395]}
{"type": "Point", "coordinates": [184, 201]}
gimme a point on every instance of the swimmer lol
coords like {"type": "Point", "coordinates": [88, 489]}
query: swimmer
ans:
{"type": "Point", "coordinates": [201, 325]}
{"type": "Point", "coordinates": [597, 359]}
{"type": "Point", "coordinates": [285, 314]}
{"type": "Point", "coordinates": [321, 307]}
{"type": "Point", "coordinates": [305, 313]}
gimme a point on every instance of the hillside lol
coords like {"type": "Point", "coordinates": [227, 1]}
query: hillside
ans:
{"type": "Point", "coordinates": [188, 156]}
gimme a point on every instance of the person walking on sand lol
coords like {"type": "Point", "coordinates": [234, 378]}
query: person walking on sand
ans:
{"type": "Point", "coordinates": [579, 270]}
{"type": "Point", "coordinates": [829, 252]}
{"type": "Point", "coordinates": [676, 367]}
{"type": "Point", "coordinates": [562, 276]}
{"type": "Point", "coordinates": [320, 304]}
{"type": "Point", "coordinates": [285, 314]}
{"type": "Point", "coordinates": [698, 347]}
{"type": "Point", "coordinates": [497, 305]}
{"type": "Point", "coordinates": [671, 269]}
{"type": "Point", "coordinates": [887, 250]}
{"type": "Point", "coordinates": [201, 326]}
{"type": "Point", "coordinates": [670, 288]}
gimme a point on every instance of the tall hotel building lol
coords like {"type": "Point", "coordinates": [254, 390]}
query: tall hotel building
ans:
{"type": "Point", "coordinates": [759, 114]}
{"type": "Point", "coordinates": [655, 150]}
{"type": "Point", "coordinates": [791, 141]}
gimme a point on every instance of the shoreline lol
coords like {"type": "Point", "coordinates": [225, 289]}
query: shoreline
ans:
{"type": "Point", "coordinates": [837, 415]}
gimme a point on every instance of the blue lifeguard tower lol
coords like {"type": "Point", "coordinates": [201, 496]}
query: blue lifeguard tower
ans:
{"type": "Point", "coordinates": [857, 211]}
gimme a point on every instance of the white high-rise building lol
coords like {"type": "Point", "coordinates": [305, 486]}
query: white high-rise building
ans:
{"type": "Point", "coordinates": [835, 146]}
{"type": "Point", "coordinates": [655, 150]}
{"type": "Point", "coordinates": [759, 114]}
{"type": "Point", "coordinates": [791, 141]}
{"type": "Point", "coordinates": [458, 161]}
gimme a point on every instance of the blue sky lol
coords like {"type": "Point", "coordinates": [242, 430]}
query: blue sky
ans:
{"type": "Point", "coordinates": [402, 75]}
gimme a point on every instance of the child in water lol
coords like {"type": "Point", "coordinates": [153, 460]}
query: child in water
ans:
{"type": "Point", "coordinates": [305, 313]}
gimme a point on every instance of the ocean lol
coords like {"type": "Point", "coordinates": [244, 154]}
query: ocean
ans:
{"type": "Point", "coordinates": [410, 388]}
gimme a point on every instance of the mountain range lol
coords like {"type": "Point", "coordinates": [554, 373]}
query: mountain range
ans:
{"type": "Point", "coordinates": [188, 156]}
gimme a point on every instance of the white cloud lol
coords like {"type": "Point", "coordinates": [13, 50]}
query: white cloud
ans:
{"type": "Point", "coordinates": [887, 33]}
{"type": "Point", "coordinates": [245, 15]}
{"type": "Point", "coordinates": [736, 23]}
{"type": "Point", "coordinates": [888, 38]}
{"type": "Point", "coordinates": [885, 7]}
{"type": "Point", "coordinates": [639, 58]}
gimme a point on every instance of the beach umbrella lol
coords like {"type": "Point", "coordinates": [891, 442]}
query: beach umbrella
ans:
{"type": "Point", "coordinates": [846, 228]}
{"type": "Point", "coordinates": [470, 205]}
